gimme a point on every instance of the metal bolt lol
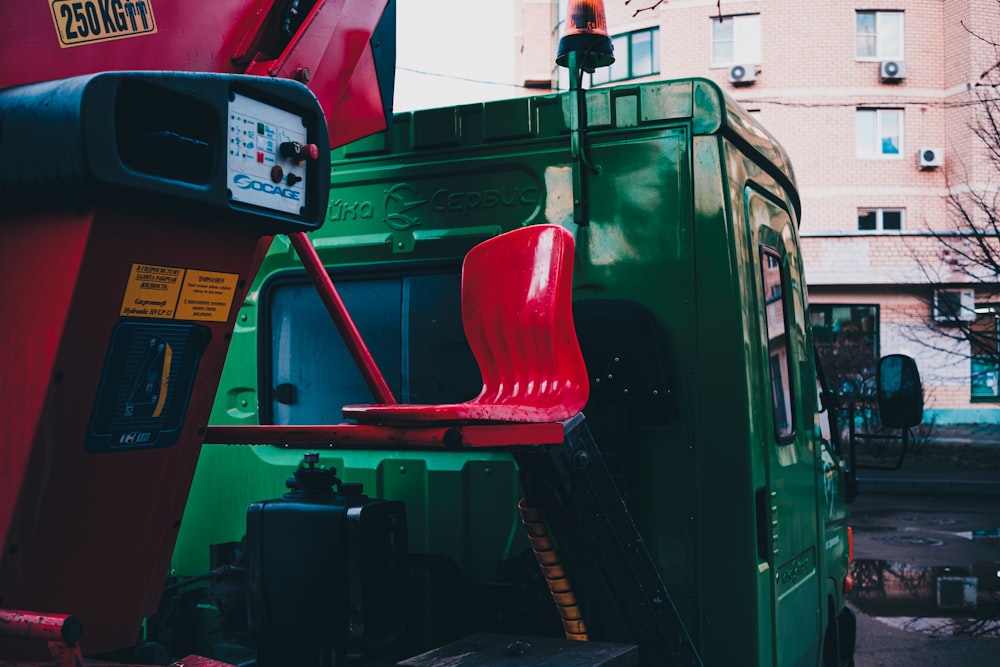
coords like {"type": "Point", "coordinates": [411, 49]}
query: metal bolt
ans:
{"type": "Point", "coordinates": [518, 647]}
{"type": "Point", "coordinates": [580, 459]}
{"type": "Point", "coordinates": [452, 438]}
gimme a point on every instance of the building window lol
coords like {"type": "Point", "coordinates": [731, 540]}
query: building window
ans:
{"type": "Point", "coordinates": [880, 133]}
{"type": "Point", "coordinates": [736, 40]}
{"type": "Point", "coordinates": [636, 54]}
{"type": "Point", "coordinates": [773, 288]}
{"type": "Point", "coordinates": [985, 362]}
{"type": "Point", "coordinates": [880, 219]}
{"type": "Point", "coordinates": [879, 35]}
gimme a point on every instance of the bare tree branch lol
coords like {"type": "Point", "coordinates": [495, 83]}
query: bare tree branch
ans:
{"type": "Point", "coordinates": [645, 9]}
{"type": "Point", "coordinates": [968, 243]}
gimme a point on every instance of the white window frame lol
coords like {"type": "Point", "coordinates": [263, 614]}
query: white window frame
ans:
{"type": "Point", "coordinates": [879, 216]}
{"type": "Point", "coordinates": [881, 28]}
{"type": "Point", "coordinates": [623, 67]}
{"type": "Point", "coordinates": [876, 152]}
{"type": "Point", "coordinates": [746, 40]}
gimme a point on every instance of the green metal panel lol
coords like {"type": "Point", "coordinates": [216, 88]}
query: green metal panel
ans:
{"type": "Point", "coordinates": [726, 448]}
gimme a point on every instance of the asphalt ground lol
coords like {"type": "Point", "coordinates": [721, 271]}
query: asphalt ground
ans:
{"type": "Point", "coordinates": [913, 527]}
{"type": "Point", "coordinates": [882, 645]}
{"type": "Point", "coordinates": [971, 434]}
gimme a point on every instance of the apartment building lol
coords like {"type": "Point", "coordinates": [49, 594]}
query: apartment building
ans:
{"type": "Point", "coordinates": [874, 102]}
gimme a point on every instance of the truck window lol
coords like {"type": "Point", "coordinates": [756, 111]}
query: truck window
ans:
{"type": "Point", "coordinates": [411, 324]}
{"type": "Point", "coordinates": [773, 286]}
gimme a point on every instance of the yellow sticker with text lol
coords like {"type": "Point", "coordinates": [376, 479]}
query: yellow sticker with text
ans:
{"type": "Point", "coordinates": [152, 291]}
{"type": "Point", "coordinates": [171, 293]}
{"type": "Point", "coordinates": [206, 296]}
{"type": "Point", "coordinates": [87, 21]}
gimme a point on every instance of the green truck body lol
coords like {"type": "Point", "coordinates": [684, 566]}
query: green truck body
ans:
{"type": "Point", "coordinates": [689, 276]}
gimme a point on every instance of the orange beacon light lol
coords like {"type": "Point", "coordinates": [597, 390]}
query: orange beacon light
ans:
{"type": "Point", "coordinates": [587, 35]}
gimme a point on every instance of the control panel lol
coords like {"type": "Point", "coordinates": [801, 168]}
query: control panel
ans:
{"type": "Point", "coordinates": [253, 149]}
{"type": "Point", "coordinates": [268, 155]}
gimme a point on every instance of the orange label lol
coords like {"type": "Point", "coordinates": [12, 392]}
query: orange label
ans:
{"type": "Point", "coordinates": [87, 21]}
{"type": "Point", "coordinates": [207, 296]}
{"type": "Point", "coordinates": [152, 291]}
{"type": "Point", "coordinates": [170, 293]}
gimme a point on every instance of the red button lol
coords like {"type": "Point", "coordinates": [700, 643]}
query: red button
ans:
{"type": "Point", "coordinates": [277, 173]}
{"type": "Point", "coordinates": [293, 150]}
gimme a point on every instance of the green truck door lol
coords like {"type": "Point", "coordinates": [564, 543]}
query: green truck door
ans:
{"type": "Point", "coordinates": [792, 544]}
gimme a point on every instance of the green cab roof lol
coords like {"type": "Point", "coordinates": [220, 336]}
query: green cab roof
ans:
{"type": "Point", "coordinates": [699, 101]}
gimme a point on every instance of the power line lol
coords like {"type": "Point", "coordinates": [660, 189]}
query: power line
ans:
{"type": "Point", "coordinates": [454, 77]}
{"type": "Point", "coordinates": [865, 102]}
{"type": "Point", "coordinates": [776, 101]}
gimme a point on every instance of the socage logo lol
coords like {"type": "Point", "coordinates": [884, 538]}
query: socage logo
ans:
{"type": "Point", "coordinates": [244, 182]}
{"type": "Point", "coordinates": [399, 200]}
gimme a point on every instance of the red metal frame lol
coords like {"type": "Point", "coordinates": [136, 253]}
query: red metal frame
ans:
{"type": "Point", "coordinates": [363, 436]}
{"type": "Point", "coordinates": [46, 627]}
{"type": "Point", "coordinates": [330, 52]}
{"type": "Point", "coordinates": [63, 297]}
{"type": "Point", "coordinates": [521, 332]}
{"type": "Point", "coordinates": [60, 633]}
{"type": "Point", "coordinates": [56, 498]}
{"type": "Point", "coordinates": [341, 318]}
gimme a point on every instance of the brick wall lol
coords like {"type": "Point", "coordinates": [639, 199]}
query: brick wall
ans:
{"type": "Point", "coordinates": [535, 42]}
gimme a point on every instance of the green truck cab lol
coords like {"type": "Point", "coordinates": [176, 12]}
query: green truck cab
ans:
{"type": "Point", "coordinates": [690, 304]}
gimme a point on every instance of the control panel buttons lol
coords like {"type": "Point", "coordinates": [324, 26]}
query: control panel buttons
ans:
{"type": "Point", "coordinates": [269, 156]}
{"type": "Point", "coordinates": [293, 150]}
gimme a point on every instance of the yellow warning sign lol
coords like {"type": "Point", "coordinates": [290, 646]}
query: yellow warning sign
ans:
{"type": "Point", "coordinates": [207, 296]}
{"type": "Point", "coordinates": [87, 21]}
{"type": "Point", "coordinates": [152, 291]}
{"type": "Point", "coordinates": [170, 293]}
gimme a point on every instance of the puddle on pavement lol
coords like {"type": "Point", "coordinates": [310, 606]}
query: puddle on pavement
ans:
{"type": "Point", "coordinates": [939, 601]}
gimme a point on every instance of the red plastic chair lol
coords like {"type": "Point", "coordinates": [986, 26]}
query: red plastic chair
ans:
{"type": "Point", "coordinates": [518, 319]}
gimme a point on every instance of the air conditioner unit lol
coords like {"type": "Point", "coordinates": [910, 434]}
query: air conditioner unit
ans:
{"type": "Point", "coordinates": [954, 305]}
{"type": "Point", "coordinates": [930, 158]}
{"type": "Point", "coordinates": [892, 70]}
{"type": "Point", "coordinates": [742, 74]}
